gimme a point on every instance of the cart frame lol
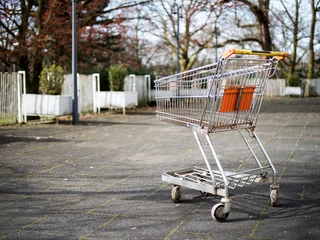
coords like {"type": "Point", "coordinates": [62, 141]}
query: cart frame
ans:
{"type": "Point", "coordinates": [223, 96]}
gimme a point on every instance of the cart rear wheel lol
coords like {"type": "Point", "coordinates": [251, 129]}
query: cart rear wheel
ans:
{"type": "Point", "coordinates": [176, 194]}
{"type": "Point", "coordinates": [217, 212]}
{"type": "Point", "coordinates": [274, 197]}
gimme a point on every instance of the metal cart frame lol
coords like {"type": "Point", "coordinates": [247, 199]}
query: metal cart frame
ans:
{"type": "Point", "coordinates": [223, 96]}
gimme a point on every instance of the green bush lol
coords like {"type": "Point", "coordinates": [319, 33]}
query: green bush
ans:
{"type": "Point", "coordinates": [51, 80]}
{"type": "Point", "coordinates": [294, 81]}
{"type": "Point", "coordinates": [117, 74]}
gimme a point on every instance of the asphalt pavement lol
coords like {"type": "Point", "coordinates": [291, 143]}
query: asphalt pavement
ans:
{"type": "Point", "coordinates": [101, 179]}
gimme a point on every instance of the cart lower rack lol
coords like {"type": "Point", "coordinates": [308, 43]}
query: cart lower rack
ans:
{"type": "Point", "coordinates": [223, 96]}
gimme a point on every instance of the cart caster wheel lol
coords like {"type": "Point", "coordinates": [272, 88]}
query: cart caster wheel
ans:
{"type": "Point", "coordinates": [217, 212]}
{"type": "Point", "coordinates": [176, 194]}
{"type": "Point", "coordinates": [274, 197]}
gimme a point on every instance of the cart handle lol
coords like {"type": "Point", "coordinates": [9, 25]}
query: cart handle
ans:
{"type": "Point", "coordinates": [278, 55]}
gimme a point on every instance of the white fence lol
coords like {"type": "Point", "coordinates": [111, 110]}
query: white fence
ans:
{"type": "Point", "coordinates": [85, 85]}
{"type": "Point", "coordinates": [112, 99]}
{"type": "Point", "coordinates": [90, 98]}
{"type": "Point", "coordinates": [141, 85]}
{"type": "Point", "coordinates": [8, 98]}
{"type": "Point", "coordinates": [15, 104]}
{"type": "Point", "coordinates": [311, 87]}
{"type": "Point", "coordinates": [11, 86]}
{"type": "Point", "coordinates": [275, 88]}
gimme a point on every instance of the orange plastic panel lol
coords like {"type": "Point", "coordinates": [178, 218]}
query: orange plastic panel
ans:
{"type": "Point", "coordinates": [246, 98]}
{"type": "Point", "coordinates": [229, 99]}
{"type": "Point", "coordinates": [231, 95]}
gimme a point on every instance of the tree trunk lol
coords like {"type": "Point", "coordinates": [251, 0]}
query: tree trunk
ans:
{"type": "Point", "coordinates": [311, 49]}
{"type": "Point", "coordinates": [263, 18]}
{"type": "Point", "coordinates": [292, 67]}
{"type": "Point", "coordinates": [261, 12]}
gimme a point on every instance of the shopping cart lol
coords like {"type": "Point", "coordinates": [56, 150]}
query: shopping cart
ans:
{"type": "Point", "coordinates": [222, 96]}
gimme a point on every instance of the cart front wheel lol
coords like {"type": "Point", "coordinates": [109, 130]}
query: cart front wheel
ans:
{"type": "Point", "coordinates": [176, 194]}
{"type": "Point", "coordinates": [218, 214]}
{"type": "Point", "coordinates": [274, 197]}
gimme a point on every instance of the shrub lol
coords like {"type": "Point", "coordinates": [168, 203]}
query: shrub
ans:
{"type": "Point", "coordinates": [117, 74]}
{"type": "Point", "coordinates": [294, 80]}
{"type": "Point", "coordinates": [51, 80]}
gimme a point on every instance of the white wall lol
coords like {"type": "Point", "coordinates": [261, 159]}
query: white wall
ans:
{"type": "Point", "coordinates": [39, 104]}
{"type": "Point", "coordinates": [141, 85]}
{"type": "Point", "coordinates": [275, 88]}
{"type": "Point", "coordinates": [85, 93]}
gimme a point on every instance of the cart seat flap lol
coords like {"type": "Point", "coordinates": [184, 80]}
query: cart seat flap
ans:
{"type": "Point", "coordinates": [237, 98]}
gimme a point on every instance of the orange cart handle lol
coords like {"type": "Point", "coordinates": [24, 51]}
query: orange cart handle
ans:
{"type": "Point", "coordinates": [277, 55]}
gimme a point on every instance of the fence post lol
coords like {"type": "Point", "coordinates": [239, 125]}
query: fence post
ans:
{"type": "Point", "coordinates": [21, 89]}
{"type": "Point", "coordinates": [96, 92]}
{"type": "Point", "coordinates": [132, 78]}
{"type": "Point", "coordinates": [148, 87]}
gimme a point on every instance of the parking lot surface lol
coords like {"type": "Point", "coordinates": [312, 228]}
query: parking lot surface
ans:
{"type": "Point", "coordinates": [101, 179]}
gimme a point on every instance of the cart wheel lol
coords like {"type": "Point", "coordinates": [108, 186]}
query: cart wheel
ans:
{"type": "Point", "coordinates": [217, 212]}
{"type": "Point", "coordinates": [176, 194]}
{"type": "Point", "coordinates": [274, 197]}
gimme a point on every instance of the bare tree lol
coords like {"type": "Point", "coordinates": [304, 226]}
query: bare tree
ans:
{"type": "Point", "coordinates": [290, 26]}
{"type": "Point", "coordinates": [261, 23]}
{"type": "Point", "coordinates": [196, 21]}
{"type": "Point", "coordinates": [140, 49]}
{"type": "Point", "coordinates": [315, 6]}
